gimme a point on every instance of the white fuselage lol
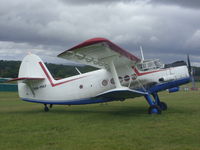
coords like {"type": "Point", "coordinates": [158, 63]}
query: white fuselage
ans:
{"type": "Point", "coordinates": [88, 85]}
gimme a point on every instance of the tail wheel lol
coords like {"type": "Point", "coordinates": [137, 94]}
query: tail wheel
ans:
{"type": "Point", "coordinates": [154, 109]}
{"type": "Point", "coordinates": [163, 106]}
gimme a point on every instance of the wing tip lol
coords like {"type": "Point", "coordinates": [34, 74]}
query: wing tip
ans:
{"type": "Point", "coordinates": [86, 43]}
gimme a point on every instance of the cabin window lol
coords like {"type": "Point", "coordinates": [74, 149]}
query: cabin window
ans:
{"type": "Point", "coordinates": [134, 76]}
{"type": "Point", "coordinates": [126, 78]}
{"type": "Point", "coordinates": [112, 81]}
{"type": "Point", "coordinates": [81, 86]}
{"type": "Point", "coordinates": [104, 82]}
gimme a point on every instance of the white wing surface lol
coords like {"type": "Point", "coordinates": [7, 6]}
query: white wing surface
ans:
{"type": "Point", "coordinates": [98, 52]}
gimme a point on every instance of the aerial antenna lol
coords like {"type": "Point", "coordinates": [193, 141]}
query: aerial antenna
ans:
{"type": "Point", "coordinates": [142, 55]}
{"type": "Point", "coordinates": [78, 70]}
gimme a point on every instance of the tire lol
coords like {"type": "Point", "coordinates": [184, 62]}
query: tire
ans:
{"type": "Point", "coordinates": [163, 106]}
{"type": "Point", "coordinates": [46, 109]}
{"type": "Point", "coordinates": [154, 109]}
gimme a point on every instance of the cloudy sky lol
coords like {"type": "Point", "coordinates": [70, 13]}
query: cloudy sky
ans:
{"type": "Point", "coordinates": [166, 29]}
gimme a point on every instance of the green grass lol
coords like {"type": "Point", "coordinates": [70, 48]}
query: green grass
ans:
{"type": "Point", "coordinates": [197, 84]}
{"type": "Point", "coordinates": [112, 126]}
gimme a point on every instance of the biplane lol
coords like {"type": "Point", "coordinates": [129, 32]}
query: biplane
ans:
{"type": "Point", "coordinates": [120, 75]}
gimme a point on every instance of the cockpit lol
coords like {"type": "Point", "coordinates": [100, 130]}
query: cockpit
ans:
{"type": "Point", "coordinates": [147, 65]}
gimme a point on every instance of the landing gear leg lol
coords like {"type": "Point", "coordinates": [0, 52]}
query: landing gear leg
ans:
{"type": "Point", "coordinates": [46, 109]}
{"type": "Point", "coordinates": [154, 108]}
{"type": "Point", "coordinates": [51, 105]}
{"type": "Point", "coordinates": [161, 104]}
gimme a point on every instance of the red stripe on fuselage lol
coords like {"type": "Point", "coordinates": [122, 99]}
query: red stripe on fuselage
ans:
{"type": "Point", "coordinates": [50, 79]}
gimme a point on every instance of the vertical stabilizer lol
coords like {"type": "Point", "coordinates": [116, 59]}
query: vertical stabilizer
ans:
{"type": "Point", "coordinates": [31, 67]}
{"type": "Point", "coordinates": [32, 74]}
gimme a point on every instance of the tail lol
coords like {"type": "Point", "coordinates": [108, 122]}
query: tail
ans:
{"type": "Point", "coordinates": [32, 67]}
{"type": "Point", "coordinates": [32, 74]}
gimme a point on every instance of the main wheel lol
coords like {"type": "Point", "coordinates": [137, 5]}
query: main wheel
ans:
{"type": "Point", "coordinates": [46, 109]}
{"type": "Point", "coordinates": [163, 106]}
{"type": "Point", "coordinates": [154, 109]}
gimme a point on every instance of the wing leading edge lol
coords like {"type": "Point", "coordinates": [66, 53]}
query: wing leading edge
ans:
{"type": "Point", "coordinates": [97, 51]}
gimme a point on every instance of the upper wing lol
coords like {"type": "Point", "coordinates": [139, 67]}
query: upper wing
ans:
{"type": "Point", "coordinates": [97, 52]}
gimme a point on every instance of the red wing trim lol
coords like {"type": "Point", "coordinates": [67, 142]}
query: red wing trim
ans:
{"type": "Point", "coordinates": [113, 46]}
{"type": "Point", "coordinates": [50, 79]}
{"type": "Point", "coordinates": [25, 78]}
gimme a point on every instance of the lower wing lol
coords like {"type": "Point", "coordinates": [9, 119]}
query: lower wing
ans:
{"type": "Point", "coordinates": [121, 93]}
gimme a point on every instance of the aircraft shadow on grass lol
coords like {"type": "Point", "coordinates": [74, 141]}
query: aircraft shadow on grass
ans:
{"type": "Point", "coordinates": [97, 110]}
{"type": "Point", "coordinates": [102, 111]}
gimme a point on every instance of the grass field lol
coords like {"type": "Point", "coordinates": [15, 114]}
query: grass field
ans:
{"type": "Point", "coordinates": [113, 126]}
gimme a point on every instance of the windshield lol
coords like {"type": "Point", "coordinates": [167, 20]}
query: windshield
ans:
{"type": "Point", "coordinates": [149, 65]}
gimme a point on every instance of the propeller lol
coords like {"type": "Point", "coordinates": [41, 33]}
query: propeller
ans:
{"type": "Point", "coordinates": [191, 71]}
{"type": "Point", "coordinates": [189, 65]}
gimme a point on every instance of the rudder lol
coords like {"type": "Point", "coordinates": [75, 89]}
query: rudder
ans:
{"type": "Point", "coordinates": [32, 72]}
{"type": "Point", "coordinates": [31, 68]}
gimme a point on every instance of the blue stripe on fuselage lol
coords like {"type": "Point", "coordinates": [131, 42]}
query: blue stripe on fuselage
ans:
{"type": "Point", "coordinates": [71, 102]}
{"type": "Point", "coordinates": [168, 85]}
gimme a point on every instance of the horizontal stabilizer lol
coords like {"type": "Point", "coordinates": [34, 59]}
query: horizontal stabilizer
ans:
{"type": "Point", "coordinates": [25, 78]}
{"type": "Point", "coordinates": [121, 93]}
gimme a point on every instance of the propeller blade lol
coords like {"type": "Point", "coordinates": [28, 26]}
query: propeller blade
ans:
{"type": "Point", "coordinates": [189, 65]}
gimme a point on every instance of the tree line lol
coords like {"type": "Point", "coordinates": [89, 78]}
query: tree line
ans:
{"type": "Point", "coordinates": [9, 69]}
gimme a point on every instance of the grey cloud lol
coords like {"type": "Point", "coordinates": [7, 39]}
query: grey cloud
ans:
{"type": "Point", "coordinates": [182, 3]}
{"type": "Point", "coordinates": [22, 21]}
{"type": "Point", "coordinates": [55, 26]}
{"type": "Point", "coordinates": [89, 2]}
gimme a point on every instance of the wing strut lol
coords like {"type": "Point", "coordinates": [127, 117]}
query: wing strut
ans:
{"type": "Point", "coordinates": [114, 74]}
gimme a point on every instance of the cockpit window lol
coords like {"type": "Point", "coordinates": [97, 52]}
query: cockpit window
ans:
{"type": "Point", "coordinates": [149, 65]}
